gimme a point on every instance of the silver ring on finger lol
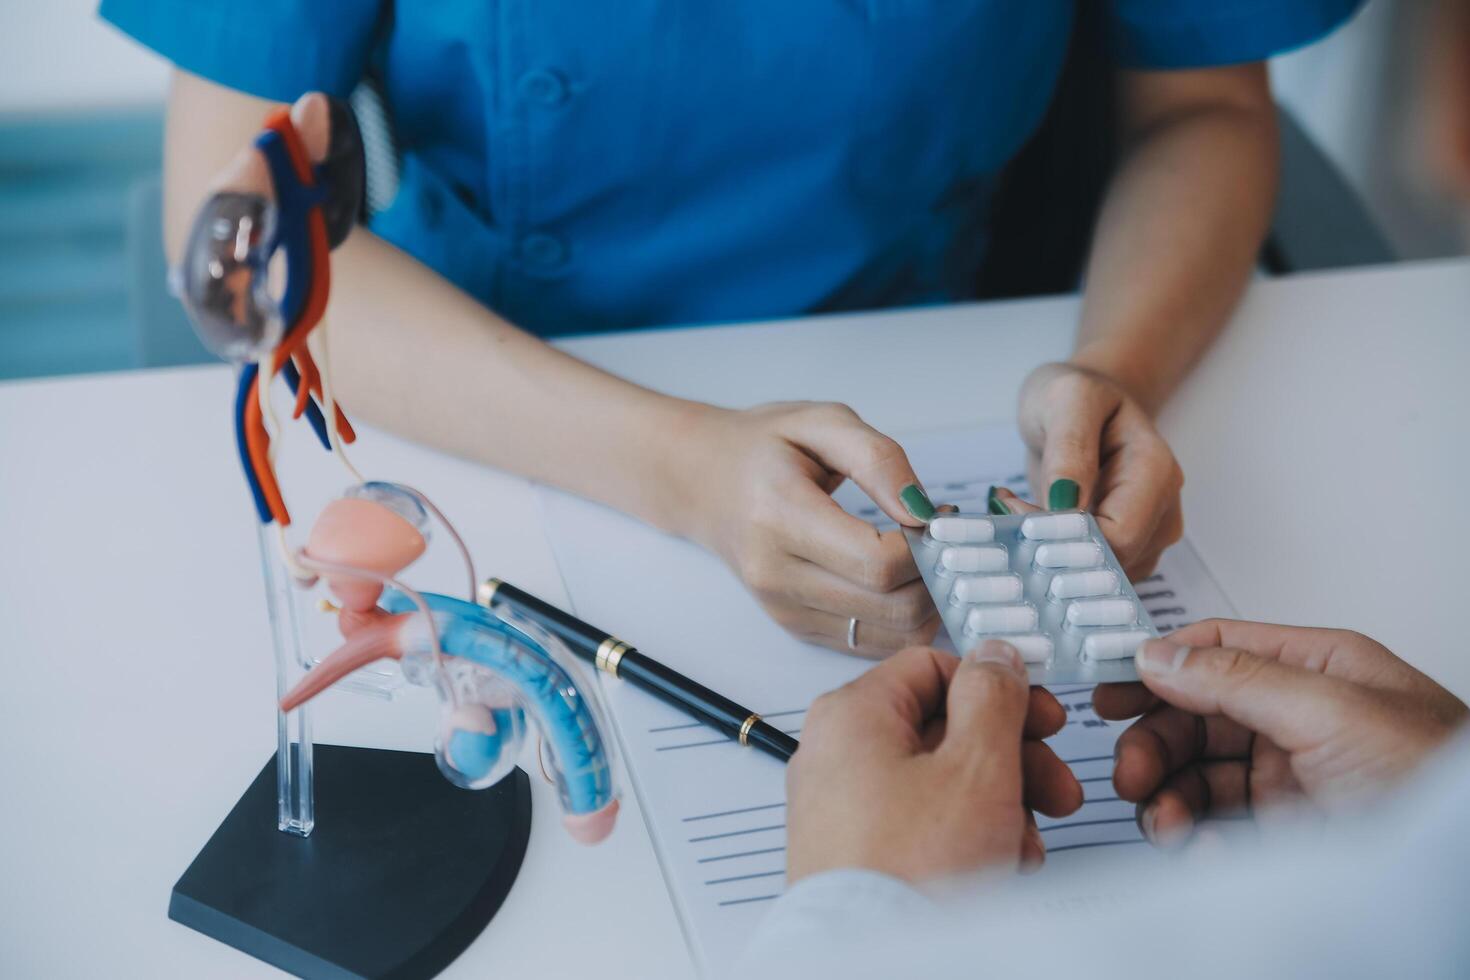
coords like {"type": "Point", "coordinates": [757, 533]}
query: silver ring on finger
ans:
{"type": "Point", "coordinates": [852, 625]}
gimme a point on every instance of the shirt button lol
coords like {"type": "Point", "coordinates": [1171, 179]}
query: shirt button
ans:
{"type": "Point", "coordinates": [543, 252]}
{"type": "Point", "coordinates": [543, 87]}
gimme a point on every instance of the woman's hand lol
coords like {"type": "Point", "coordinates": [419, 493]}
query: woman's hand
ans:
{"type": "Point", "coordinates": [1094, 446]}
{"type": "Point", "coordinates": [924, 767]}
{"type": "Point", "coordinates": [757, 486]}
{"type": "Point", "coordinates": [1241, 716]}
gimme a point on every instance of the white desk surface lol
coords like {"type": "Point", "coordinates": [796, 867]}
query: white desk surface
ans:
{"type": "Point", "coordinates": [1324, 439]}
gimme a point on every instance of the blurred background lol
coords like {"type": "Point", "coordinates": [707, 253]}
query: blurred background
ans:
{"type": "Point", "coordinates": [80, 138]}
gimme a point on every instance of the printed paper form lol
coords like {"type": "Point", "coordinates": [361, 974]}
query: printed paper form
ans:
{"type": "Point", "coordinates": [716, 810]}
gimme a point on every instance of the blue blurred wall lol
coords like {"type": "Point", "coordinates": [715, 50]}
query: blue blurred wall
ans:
{"type": "Point", "coordinates": [69, 182]}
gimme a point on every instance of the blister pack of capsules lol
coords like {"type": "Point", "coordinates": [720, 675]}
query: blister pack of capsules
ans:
{"type": "Point", "coordinates": [1048, 584]}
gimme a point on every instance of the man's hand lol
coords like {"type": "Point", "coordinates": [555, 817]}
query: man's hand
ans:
{"type": "Point", "coordinates": [926, 766]}
{"type": "Point", "coordinates": [1240, 716]}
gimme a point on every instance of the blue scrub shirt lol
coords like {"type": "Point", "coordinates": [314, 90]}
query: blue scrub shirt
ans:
{"type": "Point", "coordinates": [583, 165]}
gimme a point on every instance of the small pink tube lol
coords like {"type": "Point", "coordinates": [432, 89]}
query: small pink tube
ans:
{"type": "Point", "coordinates": [591, 828]}
{"type": "Point", "coordinates": [362, 648]}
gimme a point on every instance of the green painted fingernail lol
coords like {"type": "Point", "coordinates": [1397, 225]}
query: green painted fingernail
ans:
{"type": "Point", "coordinates": [995, 505]}
{"type": "Point", "coordinates": [916, 502]}
{"type": "Point", "coordinates": [1063, 494]}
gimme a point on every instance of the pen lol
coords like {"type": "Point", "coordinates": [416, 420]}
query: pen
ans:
{"type": "Point", "coordinates": [613, 656]}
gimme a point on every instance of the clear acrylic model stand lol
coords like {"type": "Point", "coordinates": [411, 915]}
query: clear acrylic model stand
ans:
{"type": "Point", "coordinates": [370, 890]}
{"type": "Point", "coordinates": [300, 635]}
{"type": "Point", "coordinates": [295, 787]}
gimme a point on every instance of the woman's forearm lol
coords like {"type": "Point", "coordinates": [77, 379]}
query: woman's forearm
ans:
{"type": "Point", "coordinates": [415, 355]}
{"type": "Point", "coordinates": [1181, 226]}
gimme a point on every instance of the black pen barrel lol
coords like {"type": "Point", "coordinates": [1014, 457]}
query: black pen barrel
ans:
{"type": "Point", "coordinates": [582, 638]}
{"type": "Point", "coordinates": [764, 735]}
{"type": "Point", "coordinates": [674, 688]}
{"type": "Point", "coordinates": [615, 657]}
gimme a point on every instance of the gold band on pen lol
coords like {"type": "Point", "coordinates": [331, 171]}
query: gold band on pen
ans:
{"type": "Point", "coordinates": [609, 654]}
{"type": "Point", "coordinates": [485, 594]}
{"type": "Point", "coordinates": [746, 726]}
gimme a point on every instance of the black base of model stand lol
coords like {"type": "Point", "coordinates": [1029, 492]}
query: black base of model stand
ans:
{"type": "Point", "coordinates": [402, 872]}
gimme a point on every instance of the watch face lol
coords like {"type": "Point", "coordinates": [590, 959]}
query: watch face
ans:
{"type": "Point", "coordinates": [225, 279]}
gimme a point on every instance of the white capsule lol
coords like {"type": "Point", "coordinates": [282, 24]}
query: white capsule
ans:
{"type": "Point", "coordinates": [1074, 585]}
{"type": "Point", "coordinates": [1069, 554]}
{"type": "Point", "coordinates": [1054, 527]}
{"type": "Point", "coordinates": [1114, 644]}
{"type": "Point", "coordinates": [962, 530]}
{"type": "Point", "coordinates": [986, 588]}
{"type": "Point", "coordinates": [1001, 619]}
{"type": "Point", "coordinates": [1101, 612]}
{"type": "Point", "coordinates": [991, 558]}
{"type": "Point", "coordinates": [1035, 648]}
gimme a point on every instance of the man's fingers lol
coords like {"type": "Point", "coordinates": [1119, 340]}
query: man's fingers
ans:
{"type": "Point", "coordinates": [1194, 794]}
{"type": "Point", "coordinates": [838, 439]}
{"type": "Point", "coordinates": [1118, 702]}
{"type": "Point", "coordinates": [1033, 847]}
{"type": "Point", "coordinates": [1295, 708]}
{"type": "Point", "coordinates": [986, 710]}
{"type": "Point", "coordinates": [1050, 785]}
{"type": "Point", "coordinates": [1262, 639]}
{"type": "Point", "coordinates": [1273, 780]}
{"type": "Point", "coordinates": [1045, 715]}
{"type": "Point", "coordinates": [1338, 653]}
{"type": "Point", "coordinates": [1213, 789]}
{"type": "Point", "coordinates": [1166, 819]}
{"type": "Point", "coordinates": [1167, 740]}
{"type": "Point", "coordinates": [909, 686]}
